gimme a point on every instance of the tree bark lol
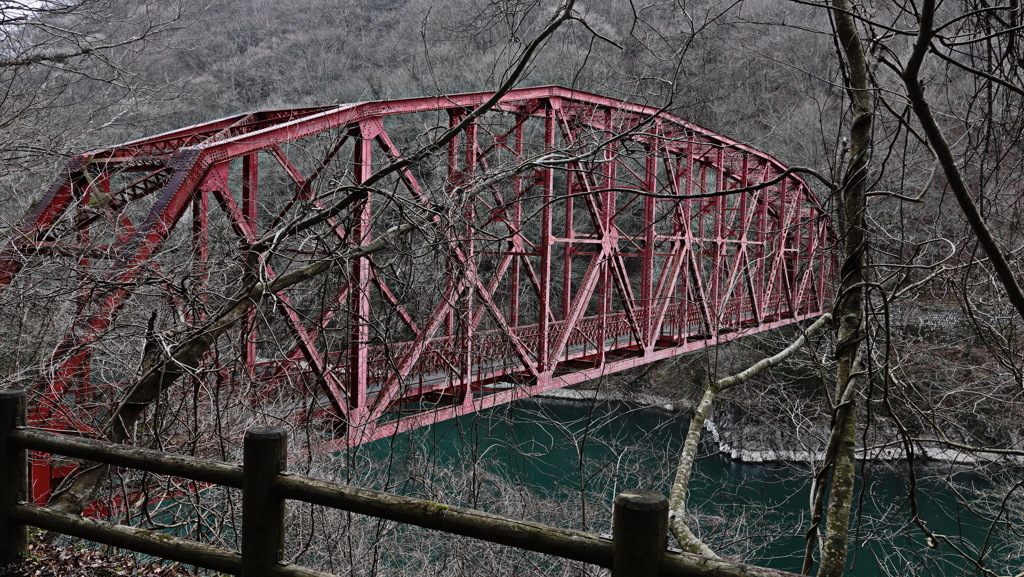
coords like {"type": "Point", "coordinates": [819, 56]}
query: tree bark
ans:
{"type": "Point", "coordinates": [850, 303]}
{"type": "Point", "coordinates": [680, 486]}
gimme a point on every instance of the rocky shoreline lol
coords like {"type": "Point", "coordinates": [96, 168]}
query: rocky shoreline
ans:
{"type": "Point", "coordinates": [748, 443]}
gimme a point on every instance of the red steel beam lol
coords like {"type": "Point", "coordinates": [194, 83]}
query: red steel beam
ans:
{"type": "Point", "coordinates": [611, 241]}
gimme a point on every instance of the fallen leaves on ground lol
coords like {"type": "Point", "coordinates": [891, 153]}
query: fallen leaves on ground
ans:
{"type": "Point", "coordinates": [49, 560]}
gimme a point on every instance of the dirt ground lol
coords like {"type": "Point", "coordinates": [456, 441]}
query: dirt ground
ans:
{"type": "Point", "coordinates": [50, 560]}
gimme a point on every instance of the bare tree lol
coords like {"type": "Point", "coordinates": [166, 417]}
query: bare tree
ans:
{"type": "Point", "coordinates": [68, 70]}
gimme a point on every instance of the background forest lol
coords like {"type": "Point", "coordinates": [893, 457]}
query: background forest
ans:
{"type": "Point", "coordinates": [938, 348]}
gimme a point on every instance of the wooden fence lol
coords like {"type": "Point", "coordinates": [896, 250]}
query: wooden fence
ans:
{"type": "Point", "coordinates": [637, 547]}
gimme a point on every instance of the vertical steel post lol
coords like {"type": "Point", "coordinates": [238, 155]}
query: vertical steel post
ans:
{"type": "Point", "coordinates": [685, 306]}
{"type": "Point", "coordinates": [250, 215]}
{"type": "Point", "coordinates": [544, 361]}
{"type": "Point", "coordinates": [676, 299]}
{"type": "Point", "coordinates": [824, 270]}
{"type": "Point", "coordinates": [606, 206]}
{"type": "Point", "coordinates": [746, 309]}
{"type": "Point", "coordinates": [201, 242]}
{"type": "Point", "coordinates": [516, 235]}
{"type": "Point", "coordinates": [763, 252]}
{"type": "Point", "coordinates": [804, 255]}
{"type": "Point", "coordinates": [469, 216]}
{"type": "Point", "coordinates": [454, 179]}
{"type": "Point", "coordinates": [571, 186]}
{"type": "Point", "coordinates": [647, 308]}
{"type": "Point", "coordinates": [574, 174]}
{"type": "Point", "coordinates": [785, 238]}
{"type": "Point", "coordinates": [705, 240]}
{"type": "Point", "coordinates": [359, 294]}
{"type": "Point", "coordinates": [718, 212]}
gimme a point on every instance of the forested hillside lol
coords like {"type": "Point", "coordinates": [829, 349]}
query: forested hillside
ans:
{"type": "Point", "coordinates": [904, 117]}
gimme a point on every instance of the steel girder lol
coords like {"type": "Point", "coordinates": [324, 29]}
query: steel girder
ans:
{"type": "Point", "coordinates": [559, 237]}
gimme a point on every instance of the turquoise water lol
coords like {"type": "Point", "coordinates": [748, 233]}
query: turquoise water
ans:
{"type": "Point", "coordinates": [562, 462]}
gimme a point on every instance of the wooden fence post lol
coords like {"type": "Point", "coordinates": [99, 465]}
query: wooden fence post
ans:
{"type": "Point", "coordinates": [265, 456]}
{"type": "Point", "coordinates": [639, 533]}
{"type": "Point", "coordinates": [13, 476]}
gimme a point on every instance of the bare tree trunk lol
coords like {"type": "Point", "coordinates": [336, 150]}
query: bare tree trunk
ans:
{"type": "Point", "coordinates": [677, 499]}
{"type": "Point", "coordinates": [938, 144]}
{"type": "Point", "coordinates": [850, 305]}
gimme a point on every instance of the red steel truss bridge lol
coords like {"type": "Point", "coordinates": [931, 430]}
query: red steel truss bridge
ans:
{"type": "Point", "coordinates": [555, 238]}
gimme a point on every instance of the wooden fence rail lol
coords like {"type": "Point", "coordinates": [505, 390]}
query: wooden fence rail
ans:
{"type": "Point", "coordinates": [637, 547]}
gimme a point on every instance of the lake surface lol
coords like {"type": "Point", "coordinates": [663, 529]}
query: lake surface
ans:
{"type": "Point", "coordinates": [562, 462]}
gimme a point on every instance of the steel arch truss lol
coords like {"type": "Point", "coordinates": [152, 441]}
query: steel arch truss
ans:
{"type": "Point", "coordinates": [559, 237]}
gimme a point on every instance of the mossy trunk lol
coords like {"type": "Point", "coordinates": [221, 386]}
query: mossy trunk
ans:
{"type": "Point", "coordinates": [684, 471]}
{"type": "Point", "coordinates": [850, 303]}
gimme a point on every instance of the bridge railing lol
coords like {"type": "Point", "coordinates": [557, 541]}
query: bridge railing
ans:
{"type": "Point", "coordinates": [637, 547]}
